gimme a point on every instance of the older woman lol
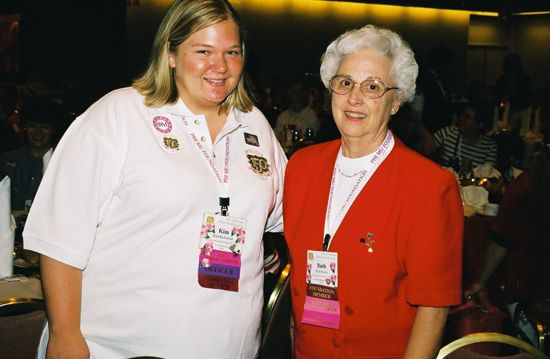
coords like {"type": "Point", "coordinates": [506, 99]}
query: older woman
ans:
{"type": "Point", "coordinates": [151, 215]}
{"type": "Point", "coordinates": [374, 229]}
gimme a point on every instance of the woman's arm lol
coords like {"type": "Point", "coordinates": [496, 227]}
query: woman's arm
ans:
{"type": "Point", "coordinates": [426, 333]}
{"type": "Point", "coordinates": [495, 255]}
{"type": "Point", "coordinates": [62, 286]}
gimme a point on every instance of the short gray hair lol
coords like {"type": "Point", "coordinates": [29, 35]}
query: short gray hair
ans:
{"type": "Point", "coordinates": [404, 68]}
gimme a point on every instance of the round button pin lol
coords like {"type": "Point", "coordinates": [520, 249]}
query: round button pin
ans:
{"type": "Point", "coordinates": [162, 124]}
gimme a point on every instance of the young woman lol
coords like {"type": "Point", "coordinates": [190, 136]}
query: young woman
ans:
{"type": "Point", "coordinates": [150, 218]}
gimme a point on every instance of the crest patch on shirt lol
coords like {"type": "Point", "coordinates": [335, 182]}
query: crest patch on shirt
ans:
{"type": "Point", "coordinates": [162, 124]}
{"type": "Point", "coordinates": [170, 144]}
{"type": "Point", "coordinates": [258, 163]}
{"type": "Point", "coordinates": [251, 139]}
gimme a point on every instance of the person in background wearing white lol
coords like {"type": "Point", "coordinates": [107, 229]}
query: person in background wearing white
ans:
{"type": "Point", "coordinates": [298, 115]}
{"type": "Point", "coordinates": [151, 216]}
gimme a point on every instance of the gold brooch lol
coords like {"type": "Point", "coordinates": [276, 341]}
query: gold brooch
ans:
{"type": "Point", "coordinates": [368, 242]}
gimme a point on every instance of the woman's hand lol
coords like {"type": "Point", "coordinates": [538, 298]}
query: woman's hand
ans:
{"type": "Point", "coordinates": [474, 291]}
{"type": "Point", "coordinates": [67, 346]}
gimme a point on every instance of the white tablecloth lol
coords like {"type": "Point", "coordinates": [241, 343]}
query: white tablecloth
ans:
{"type": "Point", "coordinates": [20, 287]}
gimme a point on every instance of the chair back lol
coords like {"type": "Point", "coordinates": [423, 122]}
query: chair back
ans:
{"type": "Point", "coordinates": [276, 320]}
{"type": "Point", "coordinates": [455, 350]}
{"type": "Point", "coordinates": [21, 323]}
{"type": "Point", "coordinates": [538, 314]}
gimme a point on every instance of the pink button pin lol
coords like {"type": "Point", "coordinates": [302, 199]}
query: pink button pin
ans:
{"type": "Point", "coordinates": [162, 124]}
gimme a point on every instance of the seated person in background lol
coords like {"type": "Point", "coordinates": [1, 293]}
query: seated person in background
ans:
{"type": "Point", "coordinates": [299, 115]}
{"type": "Point", "coordinates": [40, 117]}
{"type": "Point", "coordinates": [466, 139]}
{"type": "Point", "coordinates": [520, 234]}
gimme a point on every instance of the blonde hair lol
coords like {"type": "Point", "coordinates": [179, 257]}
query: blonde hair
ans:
{"type": "Point", "coordinates": [185, 17]}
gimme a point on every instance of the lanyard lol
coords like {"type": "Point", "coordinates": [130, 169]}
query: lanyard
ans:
{"type": "Point", "coordinates": [224, 181]}
{"type": "Point", "coordinates": [379, 156]}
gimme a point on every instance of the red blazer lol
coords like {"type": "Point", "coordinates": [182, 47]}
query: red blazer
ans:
{"type": "Point", "coordinates": [413, 209]}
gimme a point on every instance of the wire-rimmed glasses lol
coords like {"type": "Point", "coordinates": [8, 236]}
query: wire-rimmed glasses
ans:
{"type": "Point", "coordinates": [370, 88]}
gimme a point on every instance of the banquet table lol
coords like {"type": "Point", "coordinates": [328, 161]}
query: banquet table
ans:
{"type": "Point", "coordinates": [18, 286]}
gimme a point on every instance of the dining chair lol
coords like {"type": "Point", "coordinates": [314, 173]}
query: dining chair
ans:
{"type": "Point", "coordinates": [275, 342]}
{"type": "Point", "coordinates": [456, 350]}
{"type": "Point", "coordinates": [538, 313]}
{"type": "Point", "coordinates": [21, 323]}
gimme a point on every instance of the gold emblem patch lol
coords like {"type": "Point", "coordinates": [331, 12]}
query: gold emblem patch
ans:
{"type": "Point", "coordinates": [259, 165]}
{"type": "Point", "coordinates": [171, 143]}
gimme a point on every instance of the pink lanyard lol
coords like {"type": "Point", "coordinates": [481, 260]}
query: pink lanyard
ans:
{"type": "Point", "coordinates": [224, 197]}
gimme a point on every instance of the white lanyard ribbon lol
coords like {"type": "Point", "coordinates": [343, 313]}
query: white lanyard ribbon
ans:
{"type": "Point", "coordinates": [379, 156]}
{"type": "Point", "coordinates": [223, 181]}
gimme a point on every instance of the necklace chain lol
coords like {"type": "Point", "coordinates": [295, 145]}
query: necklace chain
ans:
{"type": "Point", "coordinates": [345, 174]}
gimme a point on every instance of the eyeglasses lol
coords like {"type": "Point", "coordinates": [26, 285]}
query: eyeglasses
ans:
{"type": "Point", "coordinates": [370, 88]}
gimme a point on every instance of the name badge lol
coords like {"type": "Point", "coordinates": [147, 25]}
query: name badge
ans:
{"type": "Point", "coordinates": [221, 244]}
{"type": "Point", "coordinates": [322, 307]}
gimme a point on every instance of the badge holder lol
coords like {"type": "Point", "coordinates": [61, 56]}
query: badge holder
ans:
{"type": "Point", "coordinates": [322, 307]}
{"type": "Point", "coordinates": [224, 206]}
{"type": "Point", "coordinates": [221, 243]}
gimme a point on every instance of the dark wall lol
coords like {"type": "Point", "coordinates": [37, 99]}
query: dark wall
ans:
{"type": "Point", "coordinates": [142, 22]}
{"type": "Point", "coordinates": [82, 43]}
{"type": "Point", "coordinates": [101, 44]}
{"type": "Point", "coordinates": [284, 45]}
{"type": "Point", "coordinates": [532, 41]}
{"type": "Point", "coordinates": [285, 42]}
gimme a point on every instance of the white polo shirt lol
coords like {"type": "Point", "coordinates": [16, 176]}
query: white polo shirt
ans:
{"type": "Point", "coordinates": [123, 199]}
